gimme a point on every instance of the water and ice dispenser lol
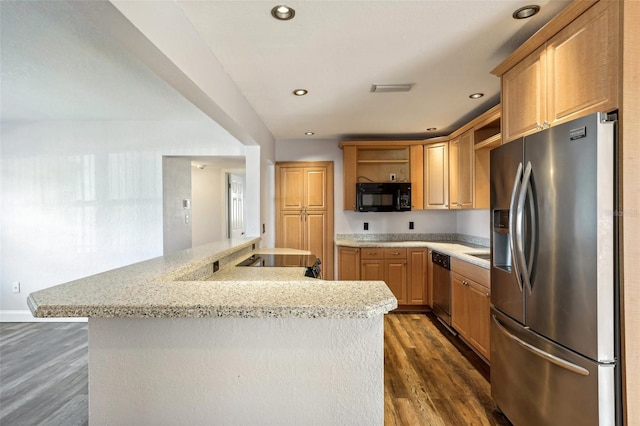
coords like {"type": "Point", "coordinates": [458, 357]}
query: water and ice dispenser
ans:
{"type": "Point", "coordinates": [501, 240]}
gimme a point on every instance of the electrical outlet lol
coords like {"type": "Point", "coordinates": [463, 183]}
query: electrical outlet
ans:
{"type": "Point", "coordinates": [16, 287]}
{"type": "Point", "coordinates": [366, 226]}
{"type": "Point", "coordinates": [410, 225]}
{"type": "Point", "coordinates": [392, 177]}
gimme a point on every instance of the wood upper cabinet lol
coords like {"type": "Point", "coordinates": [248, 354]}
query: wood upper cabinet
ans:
{"type": "Point", "coordinates": [378, 161]}
{"type": "Point", "coordinates": [304, 209]}
{"type": "Point", "coordinates": [461, 171]}
{"type": "Point", "coordinates": [572, 75]}
{"type": "Point", "coordinates": [436, 175]}
{"type": "Point", "coordinates": [524, 96]}
{"type": "Point", "coordinates": [471, 304]}
{"type": "Point", "coordinates": [348, 263]}
{"type": "Point", "coordinates": [582, 65]}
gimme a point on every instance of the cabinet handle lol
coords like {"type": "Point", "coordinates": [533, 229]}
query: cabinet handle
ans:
{"type": "Point", "coordinates": [395, 253]}
{"type": "Point", "coordinates": [357, 250]}
{"type": "Point", "coordinates": [488, 294]}
{"type": "Point", "coordinates": [545, 124]}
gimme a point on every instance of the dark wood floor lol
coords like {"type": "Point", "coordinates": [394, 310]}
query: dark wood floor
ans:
{"type": "Point", "coordinates": [43, 374]}
{"type": "Point", "coordinates": [431, 378]}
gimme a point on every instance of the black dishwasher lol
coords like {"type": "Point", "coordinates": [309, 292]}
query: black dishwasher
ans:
{"type": "Point", "coordinates": [442, 287]}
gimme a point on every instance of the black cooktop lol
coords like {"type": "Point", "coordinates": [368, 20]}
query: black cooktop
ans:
{"type": "Point", "coordinates": [273, 260]}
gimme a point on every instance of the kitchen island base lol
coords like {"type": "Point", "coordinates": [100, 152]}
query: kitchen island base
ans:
{"type": "Point", "coordinates": [174, 371]}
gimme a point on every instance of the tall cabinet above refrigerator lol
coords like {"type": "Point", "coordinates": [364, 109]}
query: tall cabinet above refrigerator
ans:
{"type": "Point", "coordinates": [554, 317]}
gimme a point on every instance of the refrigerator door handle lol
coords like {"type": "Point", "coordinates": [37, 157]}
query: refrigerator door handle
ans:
{"type": "Point", "coordinates": [542, 354]}
{"type": "Point", "coordinates": [512, 230]}
{"type": "Point", "coordinates": [521, 259]}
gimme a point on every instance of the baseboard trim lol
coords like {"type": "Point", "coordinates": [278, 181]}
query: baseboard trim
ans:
{"type": "Point", "coordinates": [25, 316]}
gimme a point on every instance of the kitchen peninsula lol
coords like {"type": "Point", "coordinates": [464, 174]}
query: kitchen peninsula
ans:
{"type": "Point", "coordinates": [172, 342]}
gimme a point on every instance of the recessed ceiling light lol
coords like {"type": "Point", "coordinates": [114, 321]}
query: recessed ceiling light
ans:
{"type": "Point", "coordinates": [309, 133]}
{"type": "Point", "coordinates": [300, 92]}
{"type": "Point", "coordinates": [526, 12]}
{"type": "Point", "coordinates": [431, 129]}
{"type": "Point", "coordinates": [283, 13]}
{"type": "Point", "coordinates": [476, 95]}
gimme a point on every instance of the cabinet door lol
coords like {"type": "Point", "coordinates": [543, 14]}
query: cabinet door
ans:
{"type": "Point", "coordinates": [459, 305]}
{"type": "Point", "coordinates": [454, 173]}
{"type": "Point", "coordinates": [315, 228]}
{"type": "Point", "coordinates": [417, 283]}
{"type": "Point", "coordinates": [350, 159]}
{"type": "Point", "coordinates": [315, 188]}
{"type": "Point", "coordinates": [524, 103]}
{"type": "Point", "coordinates": [395, 275]}
{"type": "Point", "coordinates": [465, 170]}
{"type": "Point", "coordinates": [291, 192]}
{"type": "Point", "coordinates": [417, 177]}
{"type": "Point", "coordinates": [436, 176]}
{"type": "Point", "coordinates": [479, 305]}
{"type": "Point", "coordinates": [429, 279]}
{"type": "Point", "coordinates": [348, 263]}
{"type": "Point", "coordinates": [291, 231]}
{"type": "Point", "coordinates": [372, 270]}
{"type": "Point", "coordinates": [582, 65]}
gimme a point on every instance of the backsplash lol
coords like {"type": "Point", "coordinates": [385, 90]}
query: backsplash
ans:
{"type": "Point", "coordinates": [470, 239]}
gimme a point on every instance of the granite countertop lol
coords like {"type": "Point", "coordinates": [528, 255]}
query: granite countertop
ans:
{"type": "Point", "coordinates": [183, 285]}
{"type": "Point", "coordinates": [458, 249]}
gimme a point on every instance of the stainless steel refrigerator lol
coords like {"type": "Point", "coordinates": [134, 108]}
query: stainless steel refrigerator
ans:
{"type": "Point", "coordinates": [554, 285]}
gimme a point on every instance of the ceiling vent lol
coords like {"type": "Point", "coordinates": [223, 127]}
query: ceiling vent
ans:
{"type": "Point", "coordinates": [387, 88]}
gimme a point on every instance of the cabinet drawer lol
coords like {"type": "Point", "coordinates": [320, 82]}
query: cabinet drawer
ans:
{"type": "Point", "coordinates": [469, 270]}
{"type": "Point", "coordinates": [395, 253]}
{"type": "Point", "coordinates": [371, 253]}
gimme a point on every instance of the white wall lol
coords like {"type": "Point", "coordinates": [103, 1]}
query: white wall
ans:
{"type": "Point", "coordinates": [176, 217]}
{"type": "Point", "coordinates": [80, 198]}
{"type": "Point", "coordinates": [474, 222]}
{"type": "Point", "coordinates": [208, 205]}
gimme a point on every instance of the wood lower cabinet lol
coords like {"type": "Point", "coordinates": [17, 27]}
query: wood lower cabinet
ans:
{"type": "Point", "coordinates": [418, 278]}
{"type": "Point", "coordinates": [406, 271]}
{"type": "Point", "coordinates": [348, 263]}
{"type": "Point", "coordinates": [574, 74]}
{"type": "Point", "coordinates": [471, 304]}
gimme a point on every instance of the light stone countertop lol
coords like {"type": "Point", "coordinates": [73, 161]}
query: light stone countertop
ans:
{"type": "Point", "coordinates": [183, 285]}
{"type": "Point", "coordinates": [455, 249]}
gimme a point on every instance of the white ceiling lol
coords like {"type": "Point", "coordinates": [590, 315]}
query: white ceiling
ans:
{"type": "Point", "coordinates": [56, 65]}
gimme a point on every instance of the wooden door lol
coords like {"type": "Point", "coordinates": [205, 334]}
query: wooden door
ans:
{"type": "Point", "coordinates": [479, 305]}
{"type": "Point", "coordinates": [315, 188]}
{"type": "Point", "coordinates": [454, 173]}
{"type": "Point", "coordinates": [314, 225]}
{"type": "Point", "coordinates": [291, 230]}
{"type": "Point", "coordinates": [466, 170]}
{"type": "Point", "coordinates": [436, 176]}
{"type": "Point", "coordinates": [582, 64]}
{"type": "Point", "coordinates": [395, 275]}
{"type": "Point", "coordinates": [524, 99]}
{"type": "Point", "coordinates": [348, 263]}
{"type": "Point", "coordinates": [417, 283]}
{"type": "Point", "coordinates": [372, 270]}
{"type": "Point", "coordinates": [350, 162]}
{"type": "Point", "coordinates": [459, 305]}
{"type": "Point", "coordinates": [291, 188]}
{"type": "Point", "coordinates": [417, 176]}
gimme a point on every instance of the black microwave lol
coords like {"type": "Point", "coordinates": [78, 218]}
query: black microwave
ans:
{"type": "Point", "coordinates": [383, 197]}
